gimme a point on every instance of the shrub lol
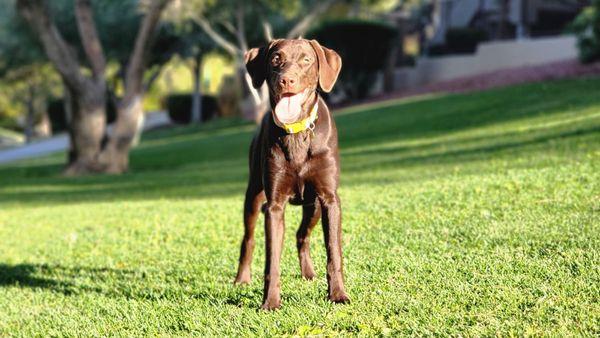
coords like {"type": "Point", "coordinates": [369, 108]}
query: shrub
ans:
{"type": "Point", "coordinates": [464, 40]}
{"type": "Point", "coordinates": [406, 61]}
{"type": "Point", "coordinates": [587, 28]}
{"type": "Point", "coordinates": [364, 47]}
{"type": "Point", "coordinates": [459, 41]}
{"type": "Point", "coordinates": [9, 123]}
{"type": "Point", "coordinates": [179, 107]}
{"type": "Point", "coordinates": [57, 115]}
{"type": "Point", "coordinates": [437, 50]}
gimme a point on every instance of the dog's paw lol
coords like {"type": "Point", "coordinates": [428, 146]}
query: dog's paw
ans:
{"type": "Point", "coordinates": [242, 279]}
{"type": "Point", "coordinates": [271, 304]}
{"type": "Point", "coordinates": [308, 274]}
{"type": "Point", "coordinates": [339, 297]}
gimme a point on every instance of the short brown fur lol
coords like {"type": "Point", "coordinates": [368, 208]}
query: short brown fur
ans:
{"type": "Point", "coordinates": [302, 168]}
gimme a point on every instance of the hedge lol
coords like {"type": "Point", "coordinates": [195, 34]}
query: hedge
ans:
{"type": "Point", "coordinates": [459, 41]}
{"type": "Point", "coordinates": [364, 47]}
{"type": "Point", "coordinates": [179, 107]}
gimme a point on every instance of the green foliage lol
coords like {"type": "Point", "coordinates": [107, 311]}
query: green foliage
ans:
{"type": "Point", "coordinates": [188, 39]}
{"type": "Point", "coordinates": [22, 67]}
{"type": "Point", "coordinates": [225, 16]}
{"type": "Point", "coordinates": [469, 215]}
{"type": "Point", "coordinates": [117, 23]}
{"type": "Point", "coordinates": [587, 28]}
{"type": "Point", "coordinates": [364, 47]}
{"type": "Point", "coordinates": [23, 86]}
{"type": "Point", "coordinates": [18, 47]}
{"type": "Point", "coordinates": [8, 123]}
{"type": "Point", "coordinates": [179, 107]}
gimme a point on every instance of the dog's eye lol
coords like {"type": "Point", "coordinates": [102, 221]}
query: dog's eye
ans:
{"type": "Point", "coordinates": [275, 60]}
{"type": "Point", "coordinates": [307, 60]}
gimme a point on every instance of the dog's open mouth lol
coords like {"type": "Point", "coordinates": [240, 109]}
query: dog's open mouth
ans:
{"type": "Point", "coordinates": [289, 106]}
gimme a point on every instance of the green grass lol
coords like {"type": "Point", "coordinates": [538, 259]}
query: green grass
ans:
{"type": "Point", "coordinates": [471, 215]}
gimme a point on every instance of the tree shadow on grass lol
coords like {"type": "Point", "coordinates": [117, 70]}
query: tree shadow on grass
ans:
{"type": "Point", "coordinates": [36, 276]}
{"type": "Point", "coordinates": [227, 178]}
{"type": "Point", "coordinates": [124, 283]}
{"type": "Point", "coordinates": [161, 184]}
{"type": "Point", "coordinates": [387, 159]}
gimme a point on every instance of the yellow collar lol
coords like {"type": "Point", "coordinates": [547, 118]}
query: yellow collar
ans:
{"type": "Point", "coordinates": [307, 123]}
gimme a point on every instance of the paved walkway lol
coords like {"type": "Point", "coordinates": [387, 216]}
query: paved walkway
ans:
{"type": "Point", "coordinates": [60, 142]}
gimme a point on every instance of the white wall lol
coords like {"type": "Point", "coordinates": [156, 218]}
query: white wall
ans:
{"type": "Point", "coordinates": [489, 57]}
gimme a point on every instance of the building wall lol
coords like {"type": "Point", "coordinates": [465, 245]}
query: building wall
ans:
{"type": "Point", "coordinates": [489, 57]}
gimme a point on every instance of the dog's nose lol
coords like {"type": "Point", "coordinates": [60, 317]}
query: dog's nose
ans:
{"type": "Point", "coordinates": [287, 81]}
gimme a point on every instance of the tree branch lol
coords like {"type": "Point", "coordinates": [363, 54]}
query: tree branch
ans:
{"type": "Point", "coordinates": [153, 76]}
{"type": "Point", "coordinates": [228, 26]}
{"type": "Point", "coordinates": [241, 29]}
{"type": "Point", "coordinates": [268, 31]}
{"type": "Point", "coordinates": [36, 13]}
{"type": "Point", "coordinates": [218, 39]}
{"type": "Point", "coordinates": [136, 65]}
{"type": "Point", "coordinates": [89, 37]}
{"type": "Point", "coordinates": [303, 25]}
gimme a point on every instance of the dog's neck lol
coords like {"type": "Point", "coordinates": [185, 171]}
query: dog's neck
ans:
{"type": "Point", "coordinates": [296, 146]}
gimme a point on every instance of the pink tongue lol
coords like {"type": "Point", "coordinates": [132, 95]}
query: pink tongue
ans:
{"type": "Point", "coordinates": [289, 108]}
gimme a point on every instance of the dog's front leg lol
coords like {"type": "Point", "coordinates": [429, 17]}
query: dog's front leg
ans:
{"type": "Point", "coordinates": [274, 229]}
{"type": "Point", "coordinates": [332, 228]}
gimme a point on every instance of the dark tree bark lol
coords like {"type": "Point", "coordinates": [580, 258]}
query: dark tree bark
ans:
{"type": "Point", "coordinates": [30, 117]}
{"type": "Point", "coordinates": [87, 93]}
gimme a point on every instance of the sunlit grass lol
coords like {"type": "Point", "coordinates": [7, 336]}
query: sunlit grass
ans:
{"type": "Point", "coordinates": [471, 215]}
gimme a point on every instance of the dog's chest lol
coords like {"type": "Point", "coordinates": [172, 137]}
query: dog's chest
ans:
{"type": "Point", "coordinates": [297, 149]}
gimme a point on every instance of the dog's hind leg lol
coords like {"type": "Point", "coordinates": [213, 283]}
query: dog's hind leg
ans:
{"type": "Point", "coordinates": [310, 217]}
{"type": "Point", "coordinates": [254, 198]}
{"type": "Point", "coordinates": [332, 229]}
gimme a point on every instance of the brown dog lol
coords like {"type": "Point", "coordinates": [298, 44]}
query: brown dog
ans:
{"type": "Point", "coordinates": [294, 158]}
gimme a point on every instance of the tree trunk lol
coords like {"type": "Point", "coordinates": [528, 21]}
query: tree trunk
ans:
{"type": "Point", "coordinates": [257, 98]}
{"type": "Point", "coordinates": [197, 94]}
{"type": "Point", "coordinates": [69, 106]}
{"type": "Point", "coordinates": [262, 105]}
{"type": "Point", "coordinates": [396, 52]}
{"type": "Point", "coordinates": [86, 93]}
{"type": "Point", "coordinates": [30, 117]}
{"type": "Point", "coordinates": [87, 128]}
{"type": "Point", "coordinates": [114, 159]}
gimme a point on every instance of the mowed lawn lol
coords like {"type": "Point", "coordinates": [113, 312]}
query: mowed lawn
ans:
{"type": "Point", "coordinates": [473, 215]}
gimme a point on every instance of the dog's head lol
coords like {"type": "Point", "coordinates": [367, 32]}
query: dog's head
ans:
{"type": "Point", "coordinates": [293, 69]}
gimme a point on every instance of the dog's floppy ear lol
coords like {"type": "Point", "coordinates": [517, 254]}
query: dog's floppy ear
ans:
{"type": "Point", "coordinates": [330, 64]}
{"type": "Point", "coordinates": [256, 63]}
